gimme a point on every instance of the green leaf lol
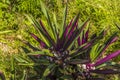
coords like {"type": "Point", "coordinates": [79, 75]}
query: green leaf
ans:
{"type": "Point", "coordinates": [30, 46]}
{"type": "Point", "coordinates": [43, 61]}
{"type": "Point", "coordinates": [99, 50]}
{"type": "Point", "coordinates": [7, 31]}
{"type": "Point", "coordinates": [106, 64]}
{"type": "Point", "coordinates": [117, 26]}
{"type": "Point", "coordinates": [69, 42]}
{"type": "Point", "coordinates": [13, 67]}
{"type": "Point", "coordinates": [39, 29]}
{"type": "Point", "coordinates": [56, 24]}
{"type": "Point", "coordinates": [66, 77]}
{"type": "Point", "coordinates": [87, 45]}
{"type": "Point", "coordinates": [78, 61]}
{"type": "Point", "coordinates": [95, 51]}
{"type": "Point", "coordinates": [28, 64]}
{"type": "Point", "coordinates": [21, 59]}
{"type": "Point", "coordinates": [44, 10]}
{"type": "Point", "coordinates": [43, 52]}
{"type": "Point", "coordinates": [24, 75]}
{"type": "Point", "coordinates": [49, 69]}
{"type": "Point", "coordinates": [38, 63]}
{"type": "Point", "coordinates": [64, 22]}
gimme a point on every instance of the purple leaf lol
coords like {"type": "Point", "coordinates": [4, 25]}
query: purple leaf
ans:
{"type": "Point", "coordinates": [42, 44]}
{"type": "Point", "coordinates": [70, 40]}
{"type": "Point", "coordinates": [47, 34]}
{"type": "Point", "coordinates": [78, 40]}
{"type": "Point", "coordinates": [43, 27]}
{"type": "Point", "coordinates": [35, 37]}
{"type": "Point", "coordinates": [61, 41]}
{"type": "Point", "coordinates": [106, 71]}
{"type": "Point", "coordinates": [87, 45]}
{"type": "Point", "coordinates": [75, 34]}
{"type": "Point", "coordinates": [83, 38]}
{"type": "Point", "coordinates": [114, 39]}
{"type": "Point", "coordinates": [83, 48]}
{"type": "Point", "coordinates": [58, 44]}
{"type": "Point", "coordinates": [72, 29]}
{"type": "Point", "coordinates": [110, 41]}
{"type": "Point", "coordinates": [67, 28]}
{"type": "Point", "coordinates": [110, 56]}
{"type": "Point", "coordinates": [86, 35]}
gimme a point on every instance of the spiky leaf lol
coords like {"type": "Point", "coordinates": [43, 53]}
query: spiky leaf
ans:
{"type": "Point", "coordinates": [105, 59]}
{"type": "Point", "coordinates": [49, 69]}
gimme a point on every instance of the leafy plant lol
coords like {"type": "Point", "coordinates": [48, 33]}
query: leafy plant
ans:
{"type": "Point", "coordinates": [66, 52]}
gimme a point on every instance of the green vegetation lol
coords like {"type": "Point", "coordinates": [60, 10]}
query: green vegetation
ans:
{"type": "Point", "coordinates": [103, 14]}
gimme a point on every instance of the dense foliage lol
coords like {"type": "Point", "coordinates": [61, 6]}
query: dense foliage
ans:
{"type": "Point", "coordinates": [102, 14]}
{"type": "Point", "coordinates": [58, 55]}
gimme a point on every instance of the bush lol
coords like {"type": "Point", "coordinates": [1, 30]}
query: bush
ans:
{"type": "Point", "coordinates": [59, 57]}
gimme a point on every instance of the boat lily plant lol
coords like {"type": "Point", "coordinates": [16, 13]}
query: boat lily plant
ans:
{"type": "Point", "coordinates": [66, 51]}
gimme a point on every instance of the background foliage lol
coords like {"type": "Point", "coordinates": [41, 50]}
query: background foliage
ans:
{"type": "Point", "coordinates": [13, 24]}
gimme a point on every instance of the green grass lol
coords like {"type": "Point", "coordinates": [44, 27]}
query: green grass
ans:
{"type": "Point", "coordinates": [13, 24]}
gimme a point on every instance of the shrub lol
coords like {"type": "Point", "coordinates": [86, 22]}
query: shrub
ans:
{"type": "Point", "coordinates": [67, 52]}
